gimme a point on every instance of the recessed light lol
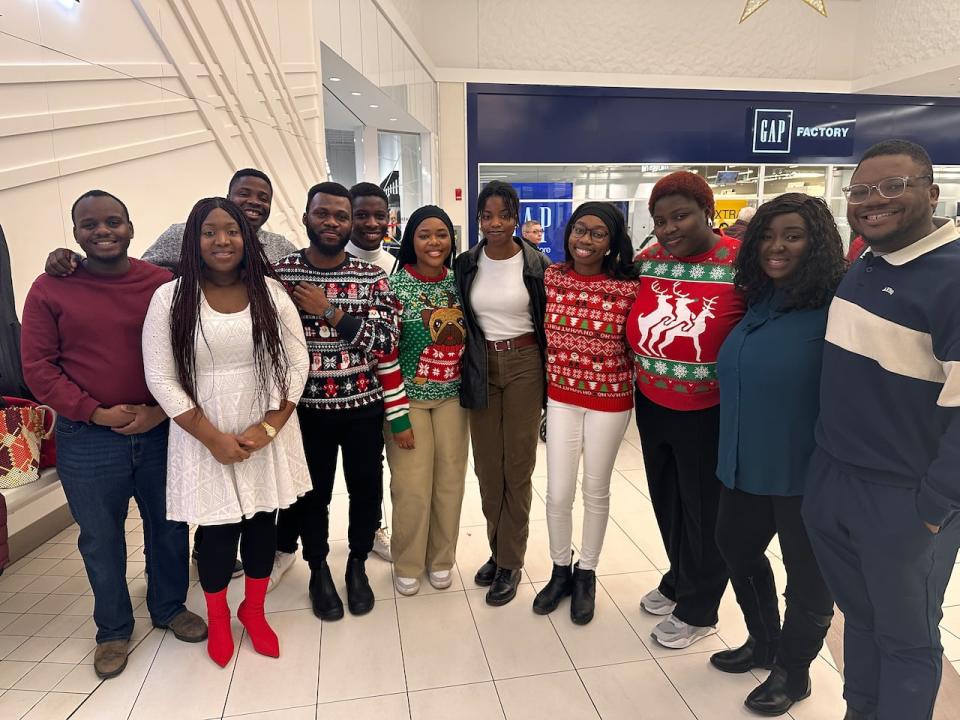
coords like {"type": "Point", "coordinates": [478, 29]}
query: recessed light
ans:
{"type": "Point", "coordinates": [356, 94]}
{"type": "Point", "coordinates": [393, 119]}
{"type": "Point", "coordinates": [333, 79]}
{"type": "Point", "coordinates": [374, 106]}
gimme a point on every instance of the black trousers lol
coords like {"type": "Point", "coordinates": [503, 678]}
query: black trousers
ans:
{"type": "Point", "coordinates": [889, 575]}
{"type": "Point", "coordinates": [257, 537]}
{"type": "Point", "coordinates": [680, 458]}
{"type": "Point", "coordinates": [745, 526]}
{"type": "Point", "coordinates": [359, 436]}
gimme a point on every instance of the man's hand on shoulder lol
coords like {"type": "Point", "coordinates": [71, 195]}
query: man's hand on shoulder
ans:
{"type": "Point", "coordinates": [62, 262]}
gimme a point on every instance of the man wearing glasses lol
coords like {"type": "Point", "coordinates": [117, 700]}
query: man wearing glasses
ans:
{"type": "Point", "coordinates": [884, 486]}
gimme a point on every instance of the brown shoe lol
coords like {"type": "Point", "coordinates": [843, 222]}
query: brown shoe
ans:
{"type": "Point", "coordinates": [187, 626]}
{"type": "Point", "coordinates": [110, 658]}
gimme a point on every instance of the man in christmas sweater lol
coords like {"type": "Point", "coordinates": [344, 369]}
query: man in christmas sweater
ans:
{"type": "Point", "coordinates": [350, 320]}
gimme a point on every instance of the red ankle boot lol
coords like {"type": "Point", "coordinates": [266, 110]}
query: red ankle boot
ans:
{"type": "Point", "coordinates": [219, 635]}
{"type": "Point", "coordinates": [251, 615]}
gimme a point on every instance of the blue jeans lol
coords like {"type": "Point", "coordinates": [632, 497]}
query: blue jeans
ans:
{"type": "Point", "coordinates": [100, 471]}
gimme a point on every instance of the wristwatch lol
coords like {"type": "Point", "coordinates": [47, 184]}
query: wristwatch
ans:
{"type": "Point", "coordinates": [269, 429]}
{"type": "Point", "coordinates": [329, 313]}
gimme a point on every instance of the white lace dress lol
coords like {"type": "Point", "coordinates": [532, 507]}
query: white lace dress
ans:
{"type": "Point", "coordinates": [199, 489]}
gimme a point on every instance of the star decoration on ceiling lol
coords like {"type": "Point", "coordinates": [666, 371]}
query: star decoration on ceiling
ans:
{"type": "Point", "coordinates": [752, 6]}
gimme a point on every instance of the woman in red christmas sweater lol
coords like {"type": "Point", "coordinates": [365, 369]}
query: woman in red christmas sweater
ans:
{"type": "Point", "coordinates": [685, 307]}
{"type": "Point", "coordinates": [589, 393]}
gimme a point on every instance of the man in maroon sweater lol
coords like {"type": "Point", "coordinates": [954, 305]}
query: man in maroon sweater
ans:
{"type": "Point", "coordinates": [81, 350]}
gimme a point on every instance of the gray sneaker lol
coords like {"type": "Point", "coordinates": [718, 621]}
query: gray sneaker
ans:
{"type": "Point", "coordinates": [676, 634]}
{"type": "Point", "coordinates": [656, 603]}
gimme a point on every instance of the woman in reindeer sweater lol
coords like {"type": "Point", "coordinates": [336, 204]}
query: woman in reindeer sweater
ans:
{"type": "Point", "coordinates": [589, 392]}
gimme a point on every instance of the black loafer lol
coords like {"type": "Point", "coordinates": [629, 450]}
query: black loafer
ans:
{"type": "Point", "coordinates": [323, 594]}
{"type": "Point", "coordinates": [504, 587]}
{"type": "Point", "coordinates": [486, 573]}
{"type": "Point", "coordinates": [359, 594]}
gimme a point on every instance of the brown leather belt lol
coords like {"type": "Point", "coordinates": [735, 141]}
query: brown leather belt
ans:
{"type": "Point", "coordinates": [513, 343]}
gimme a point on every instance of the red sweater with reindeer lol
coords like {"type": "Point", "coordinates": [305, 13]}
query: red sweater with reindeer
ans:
{"type": "Point", "coordinates": [588, 362]}
{"type": "Point", "coordinates": [684, 310]}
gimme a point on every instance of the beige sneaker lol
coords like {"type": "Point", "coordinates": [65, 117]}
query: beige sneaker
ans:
{"type": "Point", "coordinates": [110, 658]}
{"type": "Point", "coordinates": [282, 562]}
{"type": "Point", "coordinates": [381, 544]}
{"type": "Point", "coordinates": [440, 579]}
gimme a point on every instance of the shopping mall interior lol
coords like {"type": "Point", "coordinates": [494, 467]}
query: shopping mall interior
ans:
{"type": "Point", "coordinates": [159, 102]}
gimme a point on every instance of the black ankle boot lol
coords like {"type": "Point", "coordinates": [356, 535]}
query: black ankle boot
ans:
{"type": "Point", "coordinates": [486, 573]}
{"type": "Point", "coordinates": [504, 587]}
{"type": "Point", "coordinates": [559, 587]}
{"type": "Point", "coordinates": [777, 694]}
{"type": "Point", "coordinates": [323, 594]}
{"type": "Point", "coordinates": [584, 595]}
{"type": "Point", "coordinates": [745, 658]}
{"type": "Point", "coordinates": [359, 594]}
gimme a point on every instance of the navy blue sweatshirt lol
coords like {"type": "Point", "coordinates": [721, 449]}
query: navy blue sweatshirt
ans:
{"type": "Point", "coordinates": [890, 389]}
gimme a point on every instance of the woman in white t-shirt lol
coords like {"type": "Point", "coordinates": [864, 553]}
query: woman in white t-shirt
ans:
{"type": "Point", "coordinates": [501, 288]}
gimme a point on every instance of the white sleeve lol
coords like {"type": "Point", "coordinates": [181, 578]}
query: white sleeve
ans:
{"type": "Point", "coordinates": [294, 342]}
{"type": "Point", "coordinates": [159, 367]}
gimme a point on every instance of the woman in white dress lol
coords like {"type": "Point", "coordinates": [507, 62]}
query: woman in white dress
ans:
{"type": "Point", "coordinates": [225, 357]}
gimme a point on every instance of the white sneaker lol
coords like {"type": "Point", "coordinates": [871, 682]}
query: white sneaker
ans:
{"type": "Point", "coordinates": [676, 634]}
{"type": "Point", "coordinates": [441, 579]}
{"type": "Point", "coordinates": [407, 586]}
{"type": "Point", "coordinates": [282, 562]}
{"type": "Point", "coordinates": [381, 544]}
{"type": "Point", "coordinates": [656, 603]}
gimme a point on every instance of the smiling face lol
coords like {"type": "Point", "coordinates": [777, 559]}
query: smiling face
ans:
{"type": "Point", "coordinates": [254, 197]}
{"type": "Point", "coordinates": [101, 227]}
{"type": "Point", "coordinates": [682, 226]}
{"type": "Point", "coordinates": [891, 224]}
{"type": "Point", "coordinates": [432, 244]}
{"type": "Point", "coordinates": [783, 246]}
{"type": "Point", "coordinates": [588, 244]}
{"type": "Point", "coordinates": [328, 221]}
{"type": "Point", "coordinates": [221, 242]}
{"type": "Point", "coordinates": [371, 221]}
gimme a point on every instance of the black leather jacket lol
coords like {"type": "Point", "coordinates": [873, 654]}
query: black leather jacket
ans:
{"type": "Point", "coordinates": [473, 383]}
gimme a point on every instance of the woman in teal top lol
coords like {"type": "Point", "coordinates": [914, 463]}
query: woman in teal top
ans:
{"type": "Point", "coordinates": [790, 263]}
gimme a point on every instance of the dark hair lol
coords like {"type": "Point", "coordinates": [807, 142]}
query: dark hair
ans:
{"type": "Point", "coordinates": [249, 172]}
{"type": "Point", "coordinates": [618, 263]}
{"type": "Point", "coordinates": [900, 147]}
{"type": "Point", "coordinates": [328, 188]}
{"type": "Point", "coordinates": [821, 268]}
{"type": "Point", "coordinates": [683, 183]}
{"type": "Point", "coordinates": [366, 189]}
{"type": "Point", "coordinates": [96, 193]}
{"type": "Point", "coordinates": [407, 255]}
{"type": "Point", "coordinates": [185, 318]}
{"type": "Point", "coordinates": [502, 190]}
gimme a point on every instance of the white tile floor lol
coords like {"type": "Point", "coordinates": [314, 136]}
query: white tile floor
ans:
{"type": "Point", "coordinates": [440, 654]}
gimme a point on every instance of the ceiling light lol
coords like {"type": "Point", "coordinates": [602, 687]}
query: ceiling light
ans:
{"type": "Point", "coordinates": [393, 119]}
{"type": "Point", "coordinates": [333, 79]}
{"type": "Point", "coordinates": [356, 94]}
{"type": "Point", "coordinates": [374, 106]}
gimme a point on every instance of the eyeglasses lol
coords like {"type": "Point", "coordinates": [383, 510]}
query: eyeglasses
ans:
{"type": "Point", "coordinates": [598, 235]}
{"type": "Point", "coordinates": [889, 188]}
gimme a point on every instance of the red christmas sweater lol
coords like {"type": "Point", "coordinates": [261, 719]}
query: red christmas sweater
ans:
{"type": "Point", "coordinates": [684, 310]}
{"type": "Point", "coordinates": [588, 362]}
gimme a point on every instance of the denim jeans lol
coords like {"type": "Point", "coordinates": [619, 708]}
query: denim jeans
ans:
{"type": "Point", "coordinates": [100, 471]}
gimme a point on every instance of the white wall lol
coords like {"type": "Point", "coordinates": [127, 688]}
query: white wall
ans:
{"type": "Point", "coordinates": [111, 107]}
{"type": "Point", "coordinates": [453, 152]}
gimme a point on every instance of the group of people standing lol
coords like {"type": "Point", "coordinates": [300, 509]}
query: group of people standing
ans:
{"type": "Point", "coordinates": [775, 392]}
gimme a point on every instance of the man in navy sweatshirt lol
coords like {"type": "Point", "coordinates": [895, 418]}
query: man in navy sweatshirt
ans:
{"type": "Point", "coordinates": [884, 487]}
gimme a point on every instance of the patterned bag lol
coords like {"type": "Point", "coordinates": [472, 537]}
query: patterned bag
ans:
{"type": "Point", "coordinates": [23, 427]}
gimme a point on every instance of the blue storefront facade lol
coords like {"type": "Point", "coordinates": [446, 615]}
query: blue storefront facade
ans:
{"type": "Point", "coordinates": [614, 143]}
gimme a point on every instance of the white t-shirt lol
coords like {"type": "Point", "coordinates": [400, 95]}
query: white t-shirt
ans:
{"type": "Point", "coordinates": [499, 298]}
{"type": "Point", "coordinates": [379, 257]}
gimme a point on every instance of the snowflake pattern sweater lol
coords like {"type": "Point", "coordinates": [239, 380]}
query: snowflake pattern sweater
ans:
{"type": "Point", "coordinates": [344, 359]}
{"type": "Point", "coordinates": [684, 310]}
{"type": "Point", "coordinates": [432, 334]}
{"type": "Point", "coordinates": [588, 362]}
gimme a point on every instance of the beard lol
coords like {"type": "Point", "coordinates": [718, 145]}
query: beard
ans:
{"type": "Point", "coordinates": [325, 248]}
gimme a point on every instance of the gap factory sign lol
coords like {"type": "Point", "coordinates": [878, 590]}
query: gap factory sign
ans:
{"type": "Point", "coordinates": [775, 132]}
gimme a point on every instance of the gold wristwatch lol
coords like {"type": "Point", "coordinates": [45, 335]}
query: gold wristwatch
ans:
{"type": "Point", "coordinates": [269, 429]}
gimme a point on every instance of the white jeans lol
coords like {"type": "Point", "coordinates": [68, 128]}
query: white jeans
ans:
{"type": "Point", "coordinates": [573, 430]}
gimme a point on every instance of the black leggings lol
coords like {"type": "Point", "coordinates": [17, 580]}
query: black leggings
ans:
{"type": "Point", "coordinates": [218, 551]}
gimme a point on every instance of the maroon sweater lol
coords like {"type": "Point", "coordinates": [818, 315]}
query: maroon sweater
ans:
{"type": "Point", "coordinates": [81, 339]}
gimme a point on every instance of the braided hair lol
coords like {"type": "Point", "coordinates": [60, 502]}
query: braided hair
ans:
{"type": "Point", "coordinates": [822, 266]}
{"type": "Point", "coordinates": [268, 351]}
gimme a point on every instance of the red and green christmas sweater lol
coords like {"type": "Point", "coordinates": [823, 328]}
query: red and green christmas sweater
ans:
{"type": "Point", "coordinates": [685, 308]}
{"type": "Point", "coordinates": [588, 361]}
